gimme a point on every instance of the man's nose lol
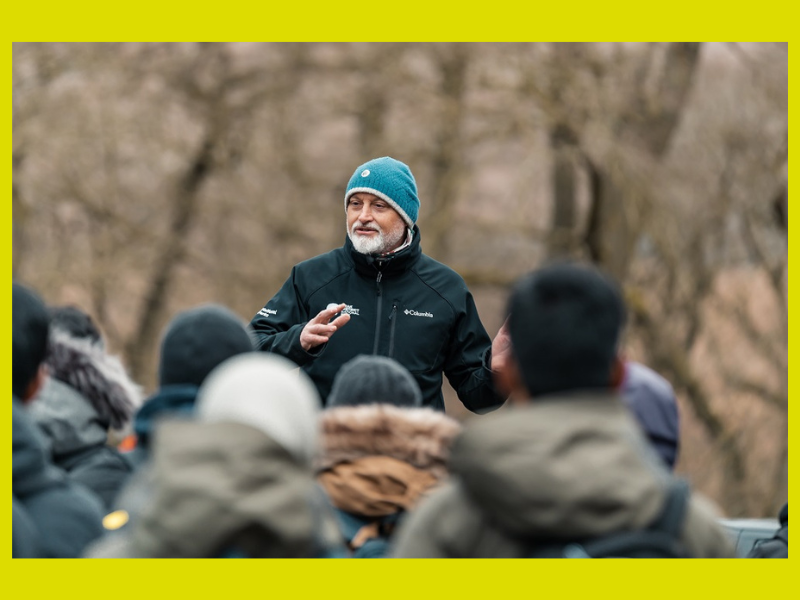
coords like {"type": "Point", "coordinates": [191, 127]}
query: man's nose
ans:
{"type": "Point", "coordinates": [366, 214]}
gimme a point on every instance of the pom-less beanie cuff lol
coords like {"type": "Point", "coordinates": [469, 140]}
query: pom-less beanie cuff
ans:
{"type": "Point", "coordinates": [390, 180]}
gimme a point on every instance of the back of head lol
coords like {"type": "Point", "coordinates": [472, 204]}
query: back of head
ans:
{"type": "Point", "coordinates": [75, 322]}
{"type": "Point", "coordinates": [374, 379]}
{"type": "Point", "coordinates": [565, 322]}
{"type": "Point", "coordinates": [198, 340]}
{"type": "Point", "coordinates": [30, 325]}
{"type": "Point", "coordinates": [269, 393]}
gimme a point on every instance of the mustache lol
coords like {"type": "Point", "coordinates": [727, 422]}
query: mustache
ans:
{"type": "Point", "coordinates": [360, 225]}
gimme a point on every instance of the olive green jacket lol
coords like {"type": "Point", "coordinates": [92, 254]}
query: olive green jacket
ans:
{"type": "Point", "coordinates": [567, 467]}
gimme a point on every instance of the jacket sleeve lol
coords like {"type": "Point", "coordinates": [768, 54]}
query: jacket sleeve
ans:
{"type": "Point", "coordinates": [278, 325]}
{"type": "Point", "coordinates": [468, 361]}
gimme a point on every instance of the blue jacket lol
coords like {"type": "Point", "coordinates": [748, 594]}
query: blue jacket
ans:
{"type": "Point", "coordinates": [652, 400]}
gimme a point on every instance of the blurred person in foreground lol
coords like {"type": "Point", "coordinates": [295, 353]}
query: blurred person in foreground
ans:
{"type": "Point", "coordinates": [568, 462]}
{"type": "Point", "coordinates": [193, 344]}
{"type": "Point", "coordinates": [52, 517]}
{"type": "Point", "coordinates": [237, 482]}
{"type": "Point", "coordinates": [379, 294]}
{"type": "Point", "coordinates": [380, 451]}
{"type": "Point", "coordinates": [87, 398]}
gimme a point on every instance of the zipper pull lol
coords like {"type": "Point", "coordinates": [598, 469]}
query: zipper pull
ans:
{"type": "Point", "coordinates": [394, 311]}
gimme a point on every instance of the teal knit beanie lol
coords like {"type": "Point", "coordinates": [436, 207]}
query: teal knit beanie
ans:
{"type": "Point", "coordinates": [391, 180]}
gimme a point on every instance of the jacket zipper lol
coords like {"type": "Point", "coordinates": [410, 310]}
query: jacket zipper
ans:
{"type": "Point", "coordinates": [378, 318]}
{"type": "Point", "coordinates": [393, 321]}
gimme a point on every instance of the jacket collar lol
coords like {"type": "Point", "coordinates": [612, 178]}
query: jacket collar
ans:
{"type": "Point", "coordinates": [171, 400]}
{"type": "Point", "coordinates": [369, 265]}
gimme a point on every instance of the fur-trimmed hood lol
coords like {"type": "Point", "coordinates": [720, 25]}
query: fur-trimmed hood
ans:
{"type": "Point", "coordinates": [99, 377]}
{"type": "Point", "coordinates": [418, 436]}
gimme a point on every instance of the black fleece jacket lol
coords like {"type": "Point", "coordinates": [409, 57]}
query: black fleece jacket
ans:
{"type": "Point", "coordinates": [406, 306]}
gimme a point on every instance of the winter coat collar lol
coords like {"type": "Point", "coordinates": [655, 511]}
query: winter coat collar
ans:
{"type": "Point", "coordinates": [170, 400]}
{"type": "Point", "coordinates": [369, 265]}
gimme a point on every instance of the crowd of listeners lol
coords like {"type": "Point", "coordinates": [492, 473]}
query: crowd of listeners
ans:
{"type": "Point", "coordinates": [236, 455]}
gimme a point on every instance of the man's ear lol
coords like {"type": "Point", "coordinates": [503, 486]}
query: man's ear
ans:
{"type": "Point", "coordinates": [618, 372]}
{"type": "Point", "coordinates": [35, 385]}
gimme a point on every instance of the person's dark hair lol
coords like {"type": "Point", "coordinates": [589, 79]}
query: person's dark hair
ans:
{"type": "Point", "coordinates": [565, 322]}
{"type": "Point", "coordinates": [75, 322]}
{"type": "Point", "coordinates": [198, 340]}
{"type": "Point", "coordinates": [30, 333]}
{"type": "Point", "coordinates": [370, 379]}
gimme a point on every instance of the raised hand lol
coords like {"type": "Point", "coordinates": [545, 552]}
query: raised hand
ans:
{"type": "Point", "coordinates": [501, 348]}
{"type": "Point", "coordinates": [320, 329]}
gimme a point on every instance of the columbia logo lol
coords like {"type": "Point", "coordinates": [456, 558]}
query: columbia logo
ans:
{"type": "Point", "coordinates": [265, 312]}
{"type": "Point", "coordinates": [414, 313]}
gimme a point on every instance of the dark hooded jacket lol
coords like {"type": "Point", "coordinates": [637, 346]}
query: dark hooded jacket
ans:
{"type": "Point", "coordinates": [561, 468]}
{"type": "Point", "coordinates": [406, 306]}
{"type": "Point", "coordinates": [52, 516]}
{"type": "Point", "coordinates": [375, 464]}
{"type": "Point", "coordinates": [87, 394]}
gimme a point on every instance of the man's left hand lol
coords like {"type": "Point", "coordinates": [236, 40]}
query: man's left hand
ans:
{"type": "Point", "coordinates": [501, 348]}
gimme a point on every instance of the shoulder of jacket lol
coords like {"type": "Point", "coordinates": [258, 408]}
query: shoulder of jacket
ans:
{"type": "Point", "coordinates": [317, 272]}
{"type": "Point", "coordinates": [438, 275]}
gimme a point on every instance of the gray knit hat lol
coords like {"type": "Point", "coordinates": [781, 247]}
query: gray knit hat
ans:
{"type": "Point", "coordinates": [372, 380]}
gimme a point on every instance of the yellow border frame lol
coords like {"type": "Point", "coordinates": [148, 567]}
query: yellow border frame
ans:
{"type": "Point", "coordinates": [398, 21]}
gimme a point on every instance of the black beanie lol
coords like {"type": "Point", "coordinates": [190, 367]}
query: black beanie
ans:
{"type": "Point", "coordinates": [198, 340]}
{"type": "Point", "coordinates": [374, 379]}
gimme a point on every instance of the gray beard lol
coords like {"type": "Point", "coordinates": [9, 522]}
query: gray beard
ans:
{"type": "Point", "coordinates": [379, 244]}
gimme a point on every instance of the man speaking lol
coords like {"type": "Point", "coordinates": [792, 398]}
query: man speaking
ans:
{"type": "Point", "coordinates": [379, 294]}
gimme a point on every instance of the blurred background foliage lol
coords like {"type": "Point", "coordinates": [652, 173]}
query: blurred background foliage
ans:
{"type": "Point", "coordinates": [148, 178]}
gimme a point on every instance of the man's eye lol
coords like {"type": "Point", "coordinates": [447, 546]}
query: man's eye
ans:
{"type": "Point", "coordinates": [379, 205]}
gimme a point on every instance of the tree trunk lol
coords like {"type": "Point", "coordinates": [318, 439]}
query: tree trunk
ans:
{"type": "Point", "coordinates": [448, 159]}
{"type": "Point", "coordinates": [184, 209]}
{"type": "Point", "coordinates": [562, 241]}
{"type": "Point", "coordinates": [610, 236]}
